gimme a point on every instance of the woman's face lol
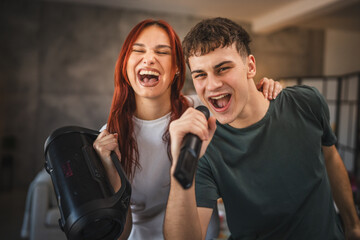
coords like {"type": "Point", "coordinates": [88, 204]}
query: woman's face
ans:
{"type": "Point", "coordinates": [149, 67]}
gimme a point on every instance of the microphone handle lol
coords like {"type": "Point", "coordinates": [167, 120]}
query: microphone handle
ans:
{"type": "Point", "coordinates": [189, 155]}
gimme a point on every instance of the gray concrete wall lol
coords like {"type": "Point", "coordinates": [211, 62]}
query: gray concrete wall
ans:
{"type": "Point", "coordinates": [290, 52]}
{"type": "Point", "coordinates": [57, 62]}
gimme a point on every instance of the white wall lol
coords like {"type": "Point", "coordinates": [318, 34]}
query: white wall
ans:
{"type": "Point", "coordinates": [342, 52]}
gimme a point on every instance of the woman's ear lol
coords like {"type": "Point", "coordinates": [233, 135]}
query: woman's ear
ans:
{"type": "Point", "coordinates": [176, 75]}
{"type": "Point", "coordinates": [251, 66]}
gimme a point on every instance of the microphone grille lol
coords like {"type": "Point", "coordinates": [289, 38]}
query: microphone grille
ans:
{"type": "Point", "coordinates": [204, 110]}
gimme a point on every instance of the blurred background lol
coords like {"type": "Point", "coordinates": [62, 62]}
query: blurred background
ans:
{"type": "Point", "coordinates": [57, 63]}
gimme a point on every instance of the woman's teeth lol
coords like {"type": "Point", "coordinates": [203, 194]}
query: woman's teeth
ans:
{"type": "Point", "coordinates": [145, 72]}
{"type": "Point", "coordinates": [148, 78]}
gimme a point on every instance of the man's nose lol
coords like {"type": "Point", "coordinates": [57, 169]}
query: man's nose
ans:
{"type": "Point", "coordinates": [213, 82]}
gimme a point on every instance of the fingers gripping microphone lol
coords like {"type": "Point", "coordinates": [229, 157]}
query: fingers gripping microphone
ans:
{"type": "Point", "coordinates": [189, 155]}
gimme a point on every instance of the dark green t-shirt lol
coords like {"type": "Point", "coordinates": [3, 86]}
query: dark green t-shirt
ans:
{"type": "Point", "coordinates": [271, 175]}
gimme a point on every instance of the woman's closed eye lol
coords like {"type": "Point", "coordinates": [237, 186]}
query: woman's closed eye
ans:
{"type": "Point", "coordinates": [138, 50]}
{"type": "Point", "coordinates": [163, 52]}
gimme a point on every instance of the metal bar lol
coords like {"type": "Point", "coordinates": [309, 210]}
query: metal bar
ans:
{"type": "Point", "coordinates": [357, 130]}
{"type": "Point", "coordinates": [324, 88]}
{"type": "Point", "coordinates": [337, 112]}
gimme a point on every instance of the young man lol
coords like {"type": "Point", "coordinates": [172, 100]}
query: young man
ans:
{"type": "Point", "coordinates": [274, 164]}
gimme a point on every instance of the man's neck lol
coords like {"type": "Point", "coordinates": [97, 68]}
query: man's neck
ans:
{"type": "Point", "coordinates": [254, 110]}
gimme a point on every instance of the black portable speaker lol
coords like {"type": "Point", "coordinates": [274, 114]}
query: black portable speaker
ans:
{"type": "Point", "coordinates": [89, 207]}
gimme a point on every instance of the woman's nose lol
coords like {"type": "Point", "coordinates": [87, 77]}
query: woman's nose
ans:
{"type": "Point", "coordinates": [149, 59]}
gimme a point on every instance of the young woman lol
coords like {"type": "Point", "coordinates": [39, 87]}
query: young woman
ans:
{"type": "Point", "coordinates": [149, 76]}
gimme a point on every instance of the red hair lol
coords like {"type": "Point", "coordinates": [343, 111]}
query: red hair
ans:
{"type": "Point", "coordinates": [123, 103]}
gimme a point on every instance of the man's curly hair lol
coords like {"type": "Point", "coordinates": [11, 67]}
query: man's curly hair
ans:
{"type": "Point", "coordinates": [210, 34]}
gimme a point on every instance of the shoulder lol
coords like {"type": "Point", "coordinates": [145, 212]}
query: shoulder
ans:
{"type": "Point", "coordinates": [301, 91]}
{"type": "Point", "coordinates": [193, 100]}
{"type": "Point", "coordinates": [303, 96]}
{"type": "Point", "coordinates": [103, 128]}
{"type": "Point", "coordinates": [307, 100]}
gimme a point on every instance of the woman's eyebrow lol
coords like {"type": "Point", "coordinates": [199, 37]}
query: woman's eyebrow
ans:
{"type": "Point", "coordinates": [139, 44]}
{"type": "Point", "coordinates": [156, 47]}
{"type": "Point", "coordinates": [162, 46]}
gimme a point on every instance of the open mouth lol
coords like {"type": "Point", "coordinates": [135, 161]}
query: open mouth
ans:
{"type": "Point", "coordinates": [220, 102]}
{"type": "Point", "coordinates": [148, 78]}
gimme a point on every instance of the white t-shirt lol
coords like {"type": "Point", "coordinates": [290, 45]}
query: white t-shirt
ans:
{"type": "Point", "coordinates": [151, 183]}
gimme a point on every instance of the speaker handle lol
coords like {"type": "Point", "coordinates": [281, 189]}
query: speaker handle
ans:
{"type": "Point", "coordinates": [121, 173]}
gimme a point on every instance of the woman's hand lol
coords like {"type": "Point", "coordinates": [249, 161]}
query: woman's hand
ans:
{"type": "Point", "coordinates": [104, 144]}
{"type": "Point", "coordinates": [269, 88]}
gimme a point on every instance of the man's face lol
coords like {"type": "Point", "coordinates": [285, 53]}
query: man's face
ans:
{"type": "Point", "coordinates": [221, 79]}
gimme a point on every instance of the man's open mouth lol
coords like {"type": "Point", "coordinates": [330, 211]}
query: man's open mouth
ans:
{"type": "Point", "coordinates": [148, 78]}
{"type": "Point", "coordinates": [220, 102]}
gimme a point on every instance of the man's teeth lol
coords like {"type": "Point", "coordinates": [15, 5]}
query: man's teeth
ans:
{"type": "Point", "coordinates": [218, 97]}
{"type": "Point", "coordinates": [144, 72]}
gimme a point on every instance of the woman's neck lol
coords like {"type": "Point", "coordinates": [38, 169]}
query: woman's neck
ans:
{"type": "Point", "coordinates": [151, 109]}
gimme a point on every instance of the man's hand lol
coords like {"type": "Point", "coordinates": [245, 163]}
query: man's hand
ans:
{"type": "Point", "coordinates": [182, 219]}
{"type": "Point", "coordinates": [192, 121]}
{"type": "Point", "coordinates": [341, 189]}
{"type": "Point", "coordinates": [353, 234]}
{"type": "Point", "coordinates": [269, 88]}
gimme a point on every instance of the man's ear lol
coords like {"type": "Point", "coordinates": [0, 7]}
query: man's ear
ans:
{"type": "Point", "coordinates": [251, 66]}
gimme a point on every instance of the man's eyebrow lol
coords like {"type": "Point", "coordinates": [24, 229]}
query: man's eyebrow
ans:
{"type": "Point", "coordinates": [215, 67]}
{"type": "Point", "coordinates": [197, 71]}
{"type": "Point", "coordinates": [222, 63]}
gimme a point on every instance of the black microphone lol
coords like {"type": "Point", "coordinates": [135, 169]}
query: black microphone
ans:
{"type": "Point", "coordinates": [189, 155]}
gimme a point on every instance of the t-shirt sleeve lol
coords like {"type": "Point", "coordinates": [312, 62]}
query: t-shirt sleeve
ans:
{"type": "Point", "coordinates": [193, 100]}
{"type": "Point", "coordinates": [328, 137]}
{"type": "Point", "coordinates": [320, 110]}
{"type": "Point", "coordinates": [205, 185]}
